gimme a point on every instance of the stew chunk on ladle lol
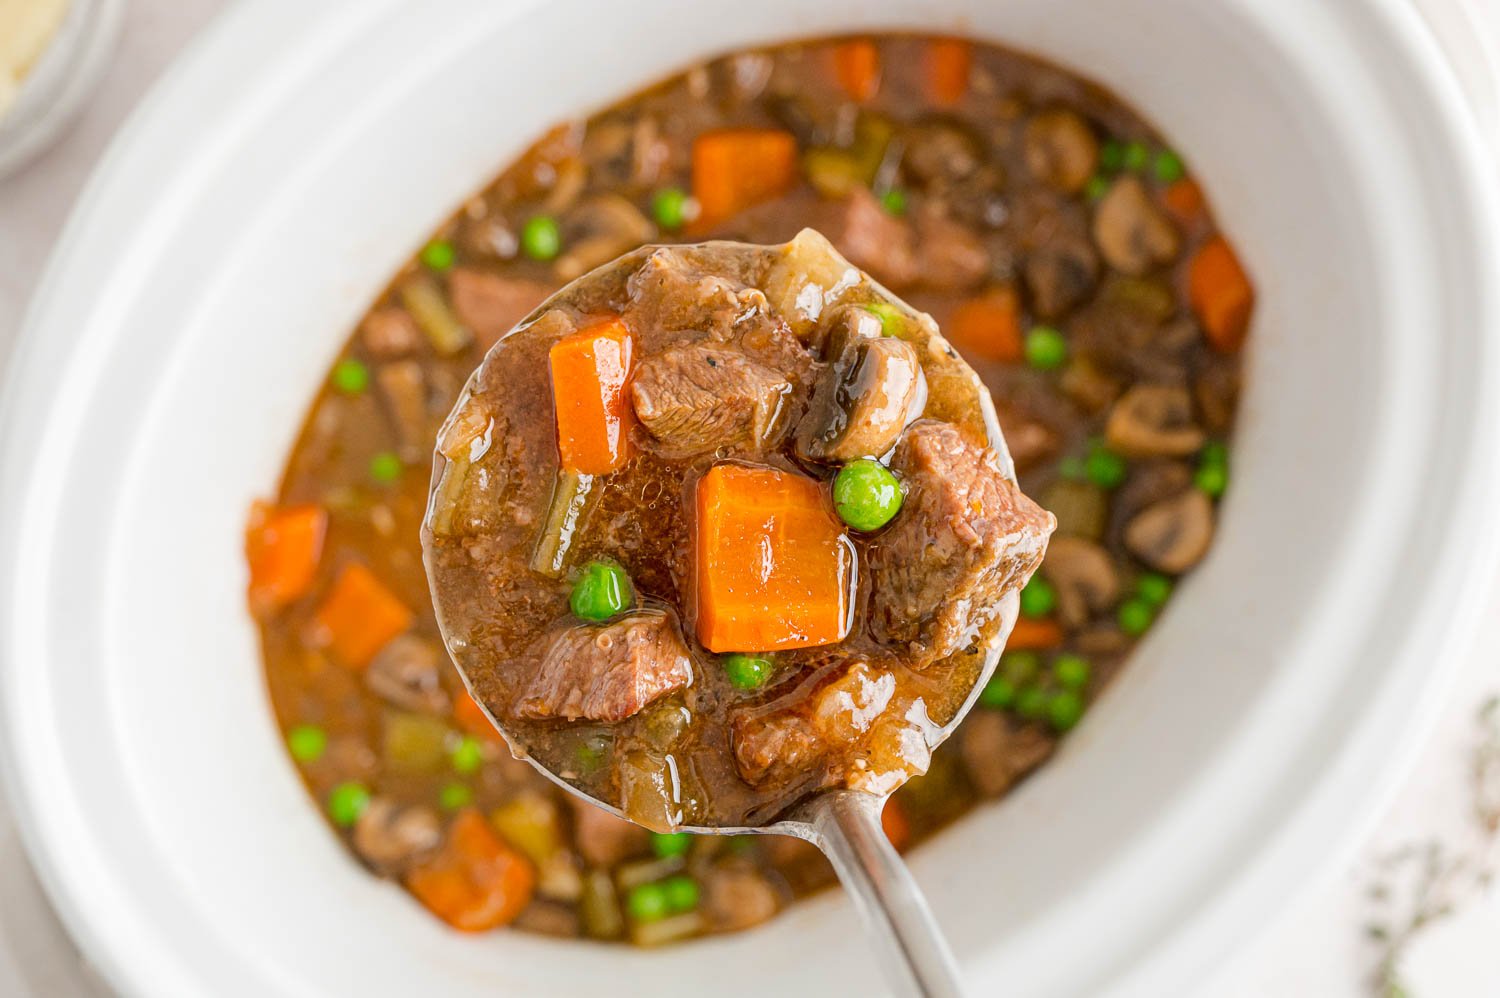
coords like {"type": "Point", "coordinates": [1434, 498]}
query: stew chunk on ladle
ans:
{"type": "Point", "coordinates": [719, 527]}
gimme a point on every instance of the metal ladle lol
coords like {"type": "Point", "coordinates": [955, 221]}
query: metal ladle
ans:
{"type": "Point", "coordinates": [845, 824]}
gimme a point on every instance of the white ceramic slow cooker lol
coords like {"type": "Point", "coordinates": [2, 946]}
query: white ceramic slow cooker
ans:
{"type": "Point", "coordinates": [301, 151]}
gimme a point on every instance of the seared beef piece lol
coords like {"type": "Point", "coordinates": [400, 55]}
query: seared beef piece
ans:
{"type": "Point", "coordinates": [403, 392]}
{"type": "Point", "coordinates": [603, 839]}
{"type": "Point", "coordinates": [783, 743]}
{"type": "Point", "coordinates": [736, 895]}
{"type": "Point", "coordinates": [407, 674]}
{"type": "Point", "coordinates": [997, 751]}
{"type": "Point", "coordinates": [965, 538]}
{"type": "Point", "coordinates": [695, 399]}
{"type": "Point", "coordinates": [490, 304]}
{"type": "Point", "coordinates": [608, 673]}
{"type": "Point", "coordinates": [391, 837]}
{"type": "Point", "coordinates": [872, 238]}
{"type": "Point", "coordinates": [863, 402]}
{"type": "Point", "coordinates": [950, 257]}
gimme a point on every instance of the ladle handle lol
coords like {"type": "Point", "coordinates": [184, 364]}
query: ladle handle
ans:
{"type": "Point", "coordinates": [916, 956]}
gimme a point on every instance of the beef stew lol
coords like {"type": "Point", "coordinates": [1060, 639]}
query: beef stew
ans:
{"type": "Point", "coordinates": [970, 180]}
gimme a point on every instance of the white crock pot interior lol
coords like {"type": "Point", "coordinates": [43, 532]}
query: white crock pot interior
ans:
{"type": "Point", "coordinates": [301, 153]}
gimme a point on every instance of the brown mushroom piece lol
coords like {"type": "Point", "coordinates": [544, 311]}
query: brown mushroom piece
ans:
{"type": "Point", "coordinates": [863, 402]}
{"type": "Point", "coordinates": [1081, 508]}
{"type": "Point", "coordinates": [406, 673]}
{"type": "Point", "coordinates": [1132, 233]}
{"type": "Point", "coordinates": [391, 837]}
{"type": "Point", "coordinates": [1172, 535]}
{"type": "Point", "coordinates": [940, 152]}
{"type": "Point", "coordinates": [402, 386]}
{"type": "Point", "coordinates": [601, 229]}
{"type": "Point", "coordinates": [737, 896]}
{"type": "Point", "coordinates": [998, 752]}
{"type": "Point", "coordinates": [1154, 421]}
{"type": "Point", "coordinates": [1083, 575]}
{"type": "Point", "coordinates": [1060, 149]}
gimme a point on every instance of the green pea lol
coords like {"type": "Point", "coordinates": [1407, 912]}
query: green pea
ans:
{"type": "Point", "coordinates": [350, 376]}
{"type": "Point", "coordinates": [1045, 348]}
{"type": "Point", "coordinates": [1135, 617]}
{"type": "Point", "coordinates": [670, 208]}
{"type": "Point", "coordinates": [892, 322]}
{"type": "Point", "coordinates": [454, 796]}
{"type": "Point", "coordinates": [1168, 167]}
{"type": "Point", "coordinates": [1096, 188]}
{"type": "Point", "coordinates": [747, 672]}
{"type": "Point", "coordinates": [467, 755]}
{"type": "Point", "coordinates": [1136, 156]}
{"type": "Point", "coordinates": [347, 801]}
{"type": "Point", "coordinates": [998, 693]}
{"type": "Point", "coordinates": [1112, 156]}
{"type": "Point", "coordinates": [307, 742]}
{"type": "Point", "coordinates": [439, 255]}
{"type": "Point", "coordinates": [682, 893]}
{"type": "Point", "coordinates": [1105, 468]}
{"type": "Point", "coordinates": [669, 844]}
{"type": "Point", "coordinates": [648, 902]}
{"type": "Point", "coordinates": [601, 591]}
{"type": "Point", "coordinates": [1064, 709]}
{"type": "Point", "coordinates": [866, 494]}
{"type": "Point", "coordinates": [1020, 667]}
{"type": "Point", "coordinates": [1031, 702]}
{"type": "Point", "coordinates": [1038, 598]}
{"type": "Point", "coordinates": [1071, 671]}
{"type": "Point", "coordinates": [894, 201]}
{"type": "Point", "coordinates": [1214, 452]}
{"type": "Point", "coordinates": [541, 239]}
{"type": "Point", "coordinates": [1212, 479]}
{"type": "Point", "coordinates": [386, 467]}
{"type": "Point", "coordinates": [591, 753]}
{"type": "Point", "coordinates": [1154, 588]}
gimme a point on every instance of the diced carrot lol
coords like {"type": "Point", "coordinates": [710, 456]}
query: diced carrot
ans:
{"type": "Point", "coordinates": [856, 63]}
{"type": "Point", "coordinates": [469, 716]}
{"type": "Point", "coordinates": [988, 326]}
{"type": "Point", "coordinates": [475, 882]}
{"type": "Point", "coordinates": [283, 547]}
{"type": "Point", "coordinates": [774, 567]}
{"type": "Point", "coordinates": [737, 168]}
{"type": "Point", "coordinates": [1221, 295]}
{"type": "Point", "coordinates": [590, 378]}
{"type": "Point", "coordinates": [1033, 634]}
{"type": "Point", "coordinates": [895, 824]}
{"type": "Point", "coordinates": [948, 61]}
{"type": "Point", "coordinates": [1184, 199]}
{"type": "Point", "coordinates": [359, 616]}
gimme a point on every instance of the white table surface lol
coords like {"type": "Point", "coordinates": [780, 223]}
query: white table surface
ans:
{"type": "Point", "coordinates": [1318, 947]}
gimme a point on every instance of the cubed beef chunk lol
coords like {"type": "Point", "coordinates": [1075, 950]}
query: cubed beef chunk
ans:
{"type": "Point", "coordinates": [695, 399]}
{"type": "Point", "coordinates": [965, 537]}
{"type": "Point", "coordinates": [390, 334]}
{"type": "Point", "coordinates": [490, 304]}
{"type": "Point", "coordinates": [603, 839]}
{"type": "Point", "coordinates": [780, 744]}
{"type": "Point", "coordinates": [998, 751]}
{"type": "Point", "coordinates": [608, 673]}
{"type": "Point", "coordinates": [873, 239]}
{"type": "Point", "coordinates": [403, 393]}
{"type": "Point", "coordinates": [863, 401]}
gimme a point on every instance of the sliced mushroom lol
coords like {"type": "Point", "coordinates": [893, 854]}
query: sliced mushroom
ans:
{"type": "Point", "coordinates": [1217, 390]}
{"type": "Point", "coordinates": [1060, 274]}
{"type": "Point", "coordinates": [842, 326]}
{"type": "Point", "coordinates": [941, 152]}
{"type": "Point", "coordinates": [1172, 535]}
{"type": "Point", "coordinates": [1083, 574]}
{"type": "Point", "coordinates": [1101, 641]}
{"type": "Point", "coordinates": [1131, 231]}
{"type": "Point", "coordinates": [863, 402]}
{"type": "Point", "coordinates": [1087, 383]}
{"type": "Point", "coordinates": [1061, 150]}
{"type": "Point", "coordinates": [391, 837]}
{"type": "Point", "coordinates": [997, 752]}
{"type": "Point", "coordinates": [390, 334]}
{"type": "Point", "coordinates": [601, 229]}
{"type": "Point", "coordinates": [1029, 440]}
{"type": "Point", "coordinates": [1154, 421]}
{"type": "Point", "coordinates": [406, 673]}
{"type": "Point", "coordinates": [737, 896]}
